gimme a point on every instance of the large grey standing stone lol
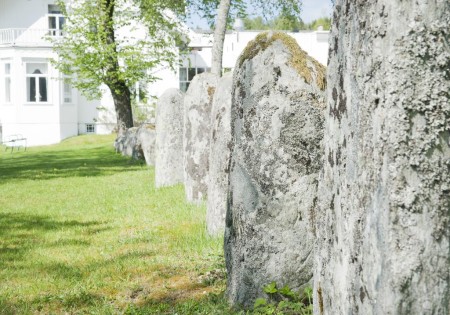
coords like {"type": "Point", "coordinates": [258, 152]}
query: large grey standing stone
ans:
{"type": "Point", "coordinates": [277, 127]}
{"type": "Point", "coordinates": [169, 139]}
{"type": "Point", "coordinates": [219, 156]}
{"type": "Point", "coordinates": [196, 135]}
{"type": "Point", "coordinates": [383, 232]}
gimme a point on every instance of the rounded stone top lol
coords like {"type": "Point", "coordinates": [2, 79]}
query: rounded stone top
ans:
{"type": "Point", "coordinates": [300, 60]}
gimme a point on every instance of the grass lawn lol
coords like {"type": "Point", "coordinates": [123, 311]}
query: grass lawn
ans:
{"type": "Point", "coordinates": [84, 231]}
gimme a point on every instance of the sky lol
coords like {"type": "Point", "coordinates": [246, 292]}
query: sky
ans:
{"type": "Point", "coordinates": [312, 9]}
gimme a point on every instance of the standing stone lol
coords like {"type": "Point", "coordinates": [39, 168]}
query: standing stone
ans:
{"type": "Point", "coordinates": [383, 229]}
{"type": "Point", "coordinates": [169, 139]}
{"type": "Point", "coordinates": [138, 143]}
{"type": "Point", "coordinates": [277, 129]}
{"type": "Point", "coordinates": [197, 128]}
{"type": "Point", "coordinates": [145, 146]}
{"type": "Point", "coordinates": [219, 157]}
{"type": "Point", "coordinates": [126, 142]}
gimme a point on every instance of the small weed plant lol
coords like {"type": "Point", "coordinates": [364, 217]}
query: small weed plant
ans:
{"type": "Point", "coordinates": [284, 301]}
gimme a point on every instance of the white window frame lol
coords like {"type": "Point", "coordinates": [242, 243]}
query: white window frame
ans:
{"type": "Point", "coordinates": [65, 84]}
{"type": "Point", "coordinates": [59, 20]}
{"type": "Point", "coordinates": [37, 77]}
{"type": "Point", "coordinates": [90, 128]}
{"type": "Point", "coordinates": [186, 80]}
{"type": "Point", "coordinates": [6, 77]}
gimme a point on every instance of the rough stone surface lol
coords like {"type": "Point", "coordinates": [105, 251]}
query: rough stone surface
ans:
{"type": "Point", "coordinates": [219, 156]}
{"type": "Point", "coordinates": [145, 147]}
{"type": "Point", "coordinates": [196, 135]}
{"type": "Point", "coordinates": [138, 143]}
{"type": "Point", "coordinates": [383, 229]}
{"type": "Point", "coordinates": [277, 129]}
{"type": "Point", "coordinates": [125, 143]}
{"type": "Point", "coordinates": [169, 139]}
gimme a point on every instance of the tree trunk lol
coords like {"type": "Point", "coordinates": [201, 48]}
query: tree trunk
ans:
{"type": "Point", "coordinates": [219, 37]}
{"type": "Point", "coordinates": [383, 243]}
{"type": "Point", "coordinates": [119, 90]}
{"type": "Point", "coordinates": [122, 104]}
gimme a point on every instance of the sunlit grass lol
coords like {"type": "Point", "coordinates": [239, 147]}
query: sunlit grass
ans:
{"type": "Point", "coordinates": [83, 230]}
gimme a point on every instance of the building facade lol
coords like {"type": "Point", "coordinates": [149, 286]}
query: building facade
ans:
{"type": "Point", "coordinates": [36, 103]}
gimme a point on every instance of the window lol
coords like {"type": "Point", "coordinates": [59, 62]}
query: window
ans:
{"type": "Point", "coordinates": [90, 128]}
{"type": "Point", "coordinates": [55, 20]}
{"type": "Point", "coordinates": [7, 83]}
{"type": "Point", "coordinates": [37, 82]}
{"type": "Point", "coordinates": [187, 74]}
{"type": "Point", "coordinates": [66, 91]}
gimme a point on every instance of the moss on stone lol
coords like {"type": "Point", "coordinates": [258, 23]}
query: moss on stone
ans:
{"type": "Point", "coordinates": [300, 60]}
{"type": "Point", "coordinates": [211, 91]}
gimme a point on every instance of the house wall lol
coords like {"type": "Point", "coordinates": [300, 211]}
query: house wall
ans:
{"type": "Point", "coordinates": [41, 123]}
{"type": "Point", "coordinates": [54, 120]}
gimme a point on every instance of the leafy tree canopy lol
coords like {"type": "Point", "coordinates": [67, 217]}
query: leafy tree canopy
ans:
{"type": "Point", "coordinates": [108, 41]}
{"type": "Point", "coordinates": [285, 22]}
{"type": "Point", "coordinates": [268, 9]}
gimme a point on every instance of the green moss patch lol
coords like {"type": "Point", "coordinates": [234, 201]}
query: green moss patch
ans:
{"type": "Point", "coordinates": [299, 58]}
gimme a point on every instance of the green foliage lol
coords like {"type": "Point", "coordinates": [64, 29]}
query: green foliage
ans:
{"type": "Point", "coordinates": [284, 301]}
{"type": "Point", "coordinates": [99, 45]}
{"type": "Point", "coordinates": [266, 8]}
{"type": "Point", "coordinates": [285, 22]}
{"type": "Point", "coordinates": [325, 22]}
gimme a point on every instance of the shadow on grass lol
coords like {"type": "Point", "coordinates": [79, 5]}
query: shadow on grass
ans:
{"type": "Point", "coordinates": [20, 233]}
{"type": "Point", "coordinates": [84, 162]}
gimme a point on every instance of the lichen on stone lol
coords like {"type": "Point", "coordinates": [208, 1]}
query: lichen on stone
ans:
{"type": "Point", "coordinates": [211, 91]}
{"type": "Point", "coordinates": [299, 60]}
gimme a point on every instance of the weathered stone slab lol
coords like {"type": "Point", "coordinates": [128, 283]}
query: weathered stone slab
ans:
{"type": "Point", "coordinates": [277, 127]}
{"type": "Point", "coordinates": [169, 139]}
{"type": "Point", "coordinates": [145, 147]}
{"type": "Point", "coordinates": [384, 230]}
{"type": "Point", "coordinates": [219, 157]}
{"type": "Point", "coordinates": [197, 128]}
{"type": "Point", "coordinates": [126, 143]}
{"type": "Point", "coordinates": [138, 143]}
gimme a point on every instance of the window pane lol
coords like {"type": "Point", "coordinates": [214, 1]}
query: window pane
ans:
{"type": "Point", "coordinates": [183, 86]}
{"type": "Point", "coordinates": [183, 74]}
{"type": "Point", "coordinates": [52, 22]}
{"type": "Point", "coordinates": [7, 68]}
{"type": "Point", "coordinates": [191, 74]}
{"type": "Point", "coordinates": [36, 68]}
{"type": "Point", "coordinates": [31, 89]}
{"type": "Point", "coordinates": [67, 93]}
{"type": "Point", "coordinates": [62, 21]}
{"type": "Point", "coordinates": [7, 90]}
{"type": "Point", "coordinates": [200, 70]}
{"type": "Point", "coordinates": [54, 9]}
{"type": "Point", "coordinates": [42, 89]}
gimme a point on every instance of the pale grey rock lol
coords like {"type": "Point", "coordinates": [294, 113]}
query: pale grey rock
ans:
{"type": "Point", "coordinates": [169, 139]}
{"type": "Point", "coordinates": [138, 143]}
{"type": "Point", "coordinates": [219, 157]}
{"type": "Point", "coordinates": [277, 129]}
{"type": "Point", "coordinates": [383, 230]}
{"type": "Point", "coordinates": [196, 135]}
{"type": "Point", "coordinates": [145, 147]}
{"type": "Point", "coordinates": [126, 142]}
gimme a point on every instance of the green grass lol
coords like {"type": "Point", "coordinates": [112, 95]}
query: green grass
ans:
{"type": "Point", "coordinates": [84, 231]}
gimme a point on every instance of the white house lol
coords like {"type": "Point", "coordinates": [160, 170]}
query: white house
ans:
{"type": "Point", "coordinates": [37, 104]}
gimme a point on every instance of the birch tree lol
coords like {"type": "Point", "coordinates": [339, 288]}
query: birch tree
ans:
{"type": "Point", "coordinates": [268, 8]}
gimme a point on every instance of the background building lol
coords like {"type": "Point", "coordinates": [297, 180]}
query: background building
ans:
{"type": "Point", "coordinates": [36, 103]}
